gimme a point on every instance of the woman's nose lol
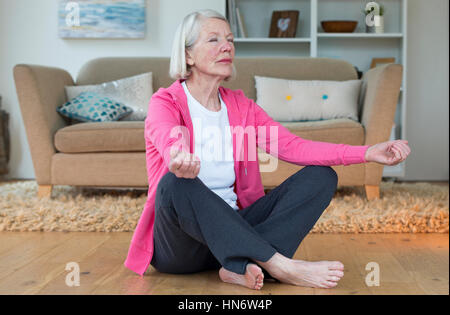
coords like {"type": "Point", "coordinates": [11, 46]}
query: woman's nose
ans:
{"type": "Point", "coordinates": [227, 46]}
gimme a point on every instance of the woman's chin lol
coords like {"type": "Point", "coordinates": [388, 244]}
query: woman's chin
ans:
{"type": "Point", "coordinates": [223, 74]}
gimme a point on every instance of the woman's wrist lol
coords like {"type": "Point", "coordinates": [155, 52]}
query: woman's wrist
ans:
{"type": "Point", "coordinates": [366, 155]}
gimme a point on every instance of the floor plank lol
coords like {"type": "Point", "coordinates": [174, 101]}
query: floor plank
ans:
{"type": "Point", "coordinates": [33, 276]}
{"type": "Point", "coordinates": [425, 258]}
{"type": "Point", "coordinates": [27, 248]}
{"type": "Point", "coordinates": [337, 247]}
{"type": "Point", "coordinates": [95, 269]}
{"type": "Point", "coordinates": [393, 279]}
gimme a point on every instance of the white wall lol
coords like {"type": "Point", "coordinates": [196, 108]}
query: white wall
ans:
{"type": "Point", "coordinates": [427, 102]}
{"type": "Point", "coordinates": [28, 34]}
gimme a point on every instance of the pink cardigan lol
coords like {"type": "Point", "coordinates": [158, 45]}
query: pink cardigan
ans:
{"type": "Point", "coordinates": [169, 123]}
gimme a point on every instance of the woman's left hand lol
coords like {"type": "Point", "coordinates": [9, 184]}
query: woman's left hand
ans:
{"type": "Point", "coordinates": [389, 153]}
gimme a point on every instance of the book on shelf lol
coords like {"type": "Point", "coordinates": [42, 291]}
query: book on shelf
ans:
{"type": "Point", "coordinates": [393, 132]}
{"type": "Point", "coordinates": [231, 4]}
{"type": "Point", "coordinates": [241, 25]}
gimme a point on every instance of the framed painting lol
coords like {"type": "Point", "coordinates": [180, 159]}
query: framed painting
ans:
{"type": "Point", "coordinates": [101, 19]}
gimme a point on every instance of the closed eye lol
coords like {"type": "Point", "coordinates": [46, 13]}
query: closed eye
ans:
{"type": "Point", "coordinates": [215, 39]}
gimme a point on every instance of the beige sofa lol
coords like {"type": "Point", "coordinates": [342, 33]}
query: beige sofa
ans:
{"type": "Point", "coordinates": [112, 154]}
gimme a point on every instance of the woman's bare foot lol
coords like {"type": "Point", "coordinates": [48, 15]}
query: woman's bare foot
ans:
{"type": "Point", "coordinates": [253, 277]}
{"type": "Point", "coordinates": [317, 274]}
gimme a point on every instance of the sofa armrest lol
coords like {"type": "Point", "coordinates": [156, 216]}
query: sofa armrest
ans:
{"type": "Point", "coordinates": [381, 89]}
{"type": "Point", "coordinates": [40, 90]}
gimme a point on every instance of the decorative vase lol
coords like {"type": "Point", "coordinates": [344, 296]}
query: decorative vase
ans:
{"type": "Point", "coordinates": [370, 29]}
{"type": "Point", "coordinates": [379, 24]}
{"type": "Point", "coordinates": [370, 21]}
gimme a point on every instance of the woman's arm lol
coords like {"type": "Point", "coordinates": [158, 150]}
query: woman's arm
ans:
{"type": "Point", "coordinates": [163, 127]}
{"type": "Point", "coordinates": [294, 149]}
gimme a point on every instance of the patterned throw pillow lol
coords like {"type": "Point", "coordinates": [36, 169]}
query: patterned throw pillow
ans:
{"type": "Point", "coordinates": [94, 107]}
{"type": "Point", "coordinates": [135, 92]}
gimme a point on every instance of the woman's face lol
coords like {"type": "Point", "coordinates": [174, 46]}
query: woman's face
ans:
{"type": "Point", "coordinates": [213, 52]}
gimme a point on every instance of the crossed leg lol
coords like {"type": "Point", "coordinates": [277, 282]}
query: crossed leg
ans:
{"type": "Point", "coordinates": [196, 230]}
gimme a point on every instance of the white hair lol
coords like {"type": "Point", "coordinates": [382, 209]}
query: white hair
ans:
{"type": "Point", "coordinates": [186, 36]}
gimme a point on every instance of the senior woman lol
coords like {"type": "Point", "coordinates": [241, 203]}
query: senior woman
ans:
{"type": "Point", "coordinates": [208, 211]}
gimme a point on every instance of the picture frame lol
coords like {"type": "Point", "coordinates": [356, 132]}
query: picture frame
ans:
{"type": "Point", "coordinates": [381, 61]}
{"type": "Point", "coordinates": [284, 24]}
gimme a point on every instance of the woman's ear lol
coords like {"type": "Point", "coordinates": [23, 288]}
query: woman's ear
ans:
{"type": "Point", "coordinates": [189, 59]}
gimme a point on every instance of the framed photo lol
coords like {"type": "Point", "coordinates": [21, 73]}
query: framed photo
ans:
{"type": "Point", "coordinates": [284, 23]}
{"type": "Point", "coordinates": [381, 61]}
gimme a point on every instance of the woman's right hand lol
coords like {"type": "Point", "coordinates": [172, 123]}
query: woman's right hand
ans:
{"type": "Point", "coordinates": [184, 164]}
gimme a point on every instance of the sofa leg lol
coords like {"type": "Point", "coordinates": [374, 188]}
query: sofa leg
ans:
{"type": "Point", "coordinates": [45, 191]}
{"type": "Point", "coordinates": [372, 192]}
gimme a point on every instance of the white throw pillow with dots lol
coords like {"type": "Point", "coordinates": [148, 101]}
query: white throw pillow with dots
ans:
{"type": "Point", "coordinates": [306, 100]}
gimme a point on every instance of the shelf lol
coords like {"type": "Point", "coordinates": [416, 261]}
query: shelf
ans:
{"type": "Point", "coordinates": [308, 39]}
{"type": "Point", "coordinates": [360, 35]}
{"type": "Point", "coordinates": [271, 40]}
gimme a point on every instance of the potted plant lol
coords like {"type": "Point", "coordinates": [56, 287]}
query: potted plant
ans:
{"type": "Point", "coordinates": [374, 17]}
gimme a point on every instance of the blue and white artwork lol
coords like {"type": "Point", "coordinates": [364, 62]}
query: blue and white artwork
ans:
{"type": "Point", "coordinates": [101, 19]}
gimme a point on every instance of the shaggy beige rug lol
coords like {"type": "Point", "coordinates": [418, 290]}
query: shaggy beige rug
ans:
{"type": "Point", "coordinates": [403, 207]}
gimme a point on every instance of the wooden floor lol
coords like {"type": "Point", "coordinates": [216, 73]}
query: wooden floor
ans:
{"type": "Point", "coordinates": [35, 262]}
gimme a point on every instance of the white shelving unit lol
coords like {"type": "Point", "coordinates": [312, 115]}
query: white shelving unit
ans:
{"type": "Point", "coordinates": [358, 47]}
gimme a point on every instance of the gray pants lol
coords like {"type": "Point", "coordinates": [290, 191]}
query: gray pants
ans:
{"type": "Point", "coordinates": [196, 230]}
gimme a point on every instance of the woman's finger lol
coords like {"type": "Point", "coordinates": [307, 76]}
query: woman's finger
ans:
{"type": "Point", "coordinates": [405, 148]}
{"type": "Point", "coordinates": [190, 165]}
{"type": "Point", "coordinates": [393, 152]}
{"type": "Point", "coordinates": [396, 153]}
{"type": "Point", "coordinates": [197, 169]}
{"type": "Point", "coordinates": [398, 150]}
{"type": "Point", "coordinates": [184, 167]}
{"type": "Point", "coordinates": [194, 169]}
{"type": "Point", "coordinates": [174, 166]}
{"type": "Point", "coordinates": [403, 143]}
{"type": "Point", "coordinates": [191, 169]}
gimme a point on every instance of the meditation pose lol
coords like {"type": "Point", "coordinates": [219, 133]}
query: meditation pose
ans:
{"type": "Point", "coordinates": [206, 206]}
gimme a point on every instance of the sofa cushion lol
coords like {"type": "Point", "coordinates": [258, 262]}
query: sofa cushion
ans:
{"type": "Point", "coordinates": [135, 92]}
{"type": "Point", "coordinates": [117, 136]}
{"type": "Point", "coordinates": [305, 100]}
{"type": "Point", "coordinates": [91, 106]}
